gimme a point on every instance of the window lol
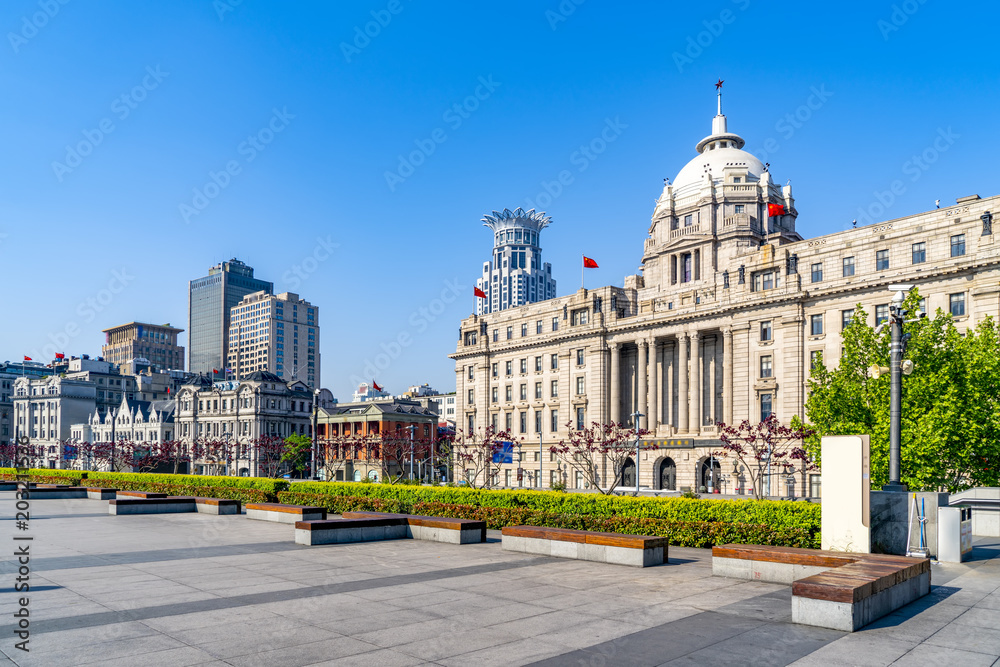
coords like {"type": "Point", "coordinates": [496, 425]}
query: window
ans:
{"type": "Point", "coordinates": [494, 394]}
{"type": "Point", "coordinates": [554, 424]}
{"type": "Point", "coordinates": [815, 359]}
{"type": "Point", "coordinates": [555, 324]}
{"type": "Point", "coordinates": [524, 330]}
{"type": "Point", "coordinates": [538, 390]}
{"type": "Point", "coordinates": [538, 421]}
{"type": "Point", "coordinates": [580, 386]}
{"type": "Point", "coordinates": [765, 331]}
{"type": "Point", "coordinates": [555, 389]}
{"type": "Point", "coordinates": [881, 260]}
{"type": "Point", "coordinates": [817, 272]}
{"type": "Point", "coordinates": [524, 422]}
{"type": "Point", "coordinates": [496, 335]}
{"type": "Point", "coordinates": [765, 406]}
{"type": "Point", "coordinates": [956, 303]}
{"type": "Point", "coordinates": [509, 393]}
{"type": "Point", "coordinates": [738, 208]}
{"type": "Point", "coordinates": [579, 316]}
{"type": "Point", "coordinates": [580, 482]}
{"type": "Point", "coordinates": [688, 220]}
{"type": "Point", "coordinates": [765, 280]}
{"type": "Point", "coordinates": [538, 327]}
{"type": "Point", "coordinates": [579, 419]}
{"type": "Point", "coordinates": [510, 332]}
{"type": "Point", "coordinates": [919, 253]}
{"type": "Point", "coordinates": [881, 314]}
{"type": "Point", "coordinates": [579, 357]}
{"type": "Point", "coordinates": [848, 267]}
{"type": "Point", "coordinates": [508, 421]}
{"type": "Point", "coordinates": [470, 337]}
{"type": "Point", "coordinates": [494, 369]}
{"type": "Point", "coordinates": [524, 392]}
{"type": "Point", "coordinates": [472, 423]}
{"type": "Point", "coordinates": [845, 318]}
{"type": "Point", "coordinates": [472, 372]}
{"type": "Point", "coordinates": [958, 245]}
{"type": "Point", "coordinates": [507, 475]}
{"type": "Point", "coordinates": [686, 267]}
{"type": "Point", "coordinates": [554, 362]}
{"type": "Point", "coordinates": [538, 364]}
{"type": "Point", "coordinates": [815, 324]}
{"type": "Point", "coordinates": [765, 366]}
{"type": "Point", "coordinates": [509, 368]}
{"type": "Point", "coordinates": [472, 396]}
{"type": "Point", "coordinates": [524, 365]}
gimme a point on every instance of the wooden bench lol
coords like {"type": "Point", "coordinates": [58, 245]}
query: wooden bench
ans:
{"type": "Point", "coordinates": [217, 506]}
{"type": "Point", "coordinates": [54, 492]}
{"type": "Point", "coordinates": [163, 505]}
{"type": "Point", "coordinates": [371, 526]}
{"type": "Point", "coordinates": [830, 589]}
{"type": "Point", "coordinates": [100, 493]}
{"type": "Point", "coordinates": [141, 494]}
{"type": "Point", "coordinates": [633, 550]}
{"type": "Point", "coordinates": [284, 513]}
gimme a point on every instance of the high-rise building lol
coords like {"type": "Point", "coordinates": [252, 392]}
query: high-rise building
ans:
{"type": "Point", "coordinates": [137, 346]}
{"type": "Point", "coordinates": [516, 275]}
{"type": "Point", "coordinates": [277, 334]}
{"type": "Point", "coordinates": [210, 300]}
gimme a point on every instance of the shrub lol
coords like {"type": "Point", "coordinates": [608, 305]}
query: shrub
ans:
{"type": "Point", "coordinates": [341, 504]}
{"type": "Point", "coordinates": [47, 475]}
{"type": "Point", "coordinates": [245, 489]}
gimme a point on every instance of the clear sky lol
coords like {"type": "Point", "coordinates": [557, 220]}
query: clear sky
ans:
{"type": "Point", "coordinates": [144, 142]}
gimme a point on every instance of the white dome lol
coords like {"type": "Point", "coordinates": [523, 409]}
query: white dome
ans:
{"type": "Point", "coordinates": [714, 160]}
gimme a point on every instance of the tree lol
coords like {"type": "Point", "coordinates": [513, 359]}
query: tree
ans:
{"type": "Point", "coordinates": [267, 450]}
{"type": "Point", "coordinates": [393, 451]}
{"type": "Point", "coordinates": [479, 456]}
{"type": "Point", "coordinates": [297, 450]}
{"type": "Point", "coordinates": [760, 448]}
{"type": "Point", "coordinates": [600, 453]}
{"type": "Point", "coordinates": [950, 426]}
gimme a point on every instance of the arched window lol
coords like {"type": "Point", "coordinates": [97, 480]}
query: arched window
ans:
{"type": "Point", "coordinates": [667, 474]}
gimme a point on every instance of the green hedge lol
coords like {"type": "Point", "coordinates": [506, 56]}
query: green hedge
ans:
{"type": "Point", "coordinates": [795, 522]}
{"type": "Point", "coordinates": [47, 475]}
{"type": "Point", "coordinates": [246, 489]}
{"type": "Point", "coordinates": [340, 504]}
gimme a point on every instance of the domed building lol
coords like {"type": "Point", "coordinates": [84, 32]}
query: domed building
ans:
{"type": "Point", "coordinates": [731, 309]}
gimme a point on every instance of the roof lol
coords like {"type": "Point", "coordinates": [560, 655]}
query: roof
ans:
{"type": "Point", "coordinates": [264, 376]}
{"type": "Point", "coordinates": [143, 324]}
{"type": "Point", "coordinates": [394, 407]}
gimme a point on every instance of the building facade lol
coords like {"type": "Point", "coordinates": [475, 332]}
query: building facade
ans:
{"type": "Point", "coordinates": [275, 334]}
{"type": "Point", "coordinates": [9, 372]}
{"type": "Point", "coordinates": [46, 408]}
{"type": "Point", "coordinates": [110, 385]}
{"type": "Point", "coordinates": [136, 421]}
{"type": "Point", "coordinates": [137, 346]}
{"type": "Point", "coordinates": [210, 300]}
{"type": "Point", "coordinates": [730, 311]}
{"type": "Point", "coordinates": [515, 275]}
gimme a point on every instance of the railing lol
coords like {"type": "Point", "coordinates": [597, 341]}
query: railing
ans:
{"type": "Point", "coordinates": [739, 220]}
{"type": "Point", "coordinates": [740, 187]}
{"type": "Point", "coordinates": [684, 231]}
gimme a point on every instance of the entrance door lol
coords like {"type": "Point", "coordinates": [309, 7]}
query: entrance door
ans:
{"type": "Point", "coordinates": [710, 476]}
{"type": "Point", "coordinates": [668, 474]}
{"type": "Point", "coordinates": [628, 473]}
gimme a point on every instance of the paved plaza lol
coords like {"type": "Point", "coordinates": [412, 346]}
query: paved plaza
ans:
{"type": "Point", "coordinates": [196, 589]}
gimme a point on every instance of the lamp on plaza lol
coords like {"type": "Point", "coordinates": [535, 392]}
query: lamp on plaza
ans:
{"type": "Point", "coordinates": [897, 347]}
{"type": "Point", "coordinates": [635, 421]}
{"type": "Point", "coordinates": [411, 428]}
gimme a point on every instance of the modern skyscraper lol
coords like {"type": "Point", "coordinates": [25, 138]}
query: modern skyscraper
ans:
{"type": "Point", "coordinates": [516, 275]}
{"type": "Point", "coordinates": [277, 334]}
{"type": "Point", "coordinates": [210, 300]}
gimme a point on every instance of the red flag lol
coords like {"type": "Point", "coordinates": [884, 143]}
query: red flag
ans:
{"type": "Point", "coordinates": [60, 355]}
{"type": "Point", "coordinates": [480, 293]}
{"type": "Point", "coordinates": [775, 209]}
{"type": "Point", "coordinates": [375, 384]}
{"type": "Point", "coordinates": [168, 390]}
{"type": "Point", "coordinates": [588, 263]}
{"type": "Point", "coordinates": [215, 370]}
{"type": "Point", "coordinates": [27, 358]}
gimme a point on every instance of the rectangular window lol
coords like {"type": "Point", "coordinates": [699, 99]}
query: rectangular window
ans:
{"type": "Point", "coordinates": [524, 365]}
{"type": "Point", "coordinates": [815, 324]}
{"type": "Point", "coordinates": [538, 390]}
{"type": "Point", "coordinates": [738, 208]}
{"type": "Point", "coordinates": [555, 389]}
{"type": "Point", "coordinates": [509, 368]}
{"type": "Point", "coordinates": [815, 359]}
{"type": "Point", "coordinates": [881, 314]}
{"type": "Point", "coordinates": [494, 369]}
{"type": "Point", "coordinates": [765, 406]}
{"type": "Point", "coordinates": [472, 423]}
{"type": "Point", "coordinates": [765, 280]}
{"type": "Point", "coordinates": [579, 357]}
{"type": "Point", "coordinates": [765, 331]}
{"type": "Point", "coordinates": [508, 421]}
{"type": "Point", "coordinates": [958, 245]}
{"type": "Point", "coordinates": [686, 267]}
{"type": "Point", "coordinates": [845, 318]}
{"type": "Point", "coordinates": [919, 251]}
{"type": "Point", "coordinates": [538, 421]}
{"type": "Point", "coordinates": [510, 332]}
{"type": "Point", "coordinates": [554, 424]}
{"type": "Point", "coordinates": [472, 396]}
{"type": "Point", "coordinates": [524, 422]}
{"type": "Point", "coordinates": [538, 327]}
{"type": "Point", "coordinates": [956, 303]}
{"type": "Point", "coordinates": [817, 272]}
{"type": "Point", "coordinates": [765, 366]}
{"type": "Point", "coordinates": [524, 330]}
{"type": "Point", "coordinates": [881, 260]}
{"type": "Point", "coordinates": [472, 372]}
{"type": "Point", "coordinates": [579, 419]}
{"type": "Point", "coordinates": [538, 364]}
{"type": "Point", "coordinates": [555, 324]}
{"type": "Point", "coordinates": [688, 220]}
{"type": "Point", "coordinates": [848, 267]}
{"type": "Point", "coordinates": [496, 335]}
{"type": "Point", "coordinates": [554, 362]}
{"type": "Point", "coordinates": [524, 392]}
{"type": "Point", "coordinates": [580, 316]}
{"type": "Point", "coordinates": [509, 393]}
{"type": "Point", "coordinates": [579, 386]}
{"type": "Point", "coordinates": [494, 394]}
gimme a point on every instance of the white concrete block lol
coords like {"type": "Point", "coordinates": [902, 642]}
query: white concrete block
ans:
{"type": "Point", "coordinates": [565, 549]}
{"type": "Point", "coordinates": [734, 568]}
{"type": "Point", "coordinates": [823, 613]}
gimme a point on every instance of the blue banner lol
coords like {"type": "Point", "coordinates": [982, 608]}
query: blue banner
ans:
{"type": "Point", "coordinates": [505, 454]}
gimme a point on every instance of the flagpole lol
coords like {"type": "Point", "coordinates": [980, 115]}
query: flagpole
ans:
{"type": "Point", "coordinates": [583, 269]}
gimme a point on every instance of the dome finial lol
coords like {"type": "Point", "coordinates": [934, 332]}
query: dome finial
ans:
{"type": "Point", "coordinates": [718, 89]}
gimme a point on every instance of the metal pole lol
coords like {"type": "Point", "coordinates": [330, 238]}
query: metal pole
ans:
{"type": "Point", "coordinates": [895, 390]}
{"type": "Point", "coordinates": [411, 450]}
{"type": "Point", "coordinates": [540, 459]}
{"type": "Point", "coordinates": [312, 464]}
{"type": "Point", "coordinates": [635, 422]}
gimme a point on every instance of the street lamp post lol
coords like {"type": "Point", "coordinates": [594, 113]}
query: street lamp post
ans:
{"type": "Point", "coordinates": [540, 457]}
{"type": "Point", "coordinates": [635, 420]}
{"type": "Point", "coordinates": [896, 316]}
{"type": "Point", "coordinates": [410, 429]}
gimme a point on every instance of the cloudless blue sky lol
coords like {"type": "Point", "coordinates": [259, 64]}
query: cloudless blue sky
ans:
{"type": "Point", "coordinates": [323, 176]}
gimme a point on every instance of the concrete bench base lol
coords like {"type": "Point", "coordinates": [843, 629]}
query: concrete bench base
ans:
{"type": "Point", "coordinates": [98, 493]}
{"type": "Point", "coordinates": [217, 506]}
{"type": "Point", "coordinates": [372, 526]}
{"type": "Point", "coordinates": [851, 616]}
{"type": "Point", "coordinates": [434, 528]}
{"type": "Point", "coordinates": [631, 550]}
{"type": "Point", "coordinates": [58, 492]}
{"type": "Point", "coordinates": [280, 513]}
{"type": "Point", "coordinates": [151, 505]}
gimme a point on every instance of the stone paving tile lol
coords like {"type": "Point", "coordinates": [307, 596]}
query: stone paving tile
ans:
{"type": "Point", "coordinates": [981, 617]}
{"type": "Point", "coordinates": [309, 653]}
{"type": "Point", "coordinates": [968, 637]}
{"type": "Point", "coordinates": [454, 643]}
{"type": "Point", "coordinates": [925, 654]}
{"type": "Point", "coordinates": [134, 648]}
{"type": "Point", "coordinates": [519, 652]}
{"type": "Point", "coordinates": [380, 657]}
{"type": "Point", "coordinates": [857, 649]}
{"type": "Point", "coordinates": [184, 656]}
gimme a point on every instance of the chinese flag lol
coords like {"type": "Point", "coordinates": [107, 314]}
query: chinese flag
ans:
{"type": "Point", "coordinates": [588, 263]}
{"type": "Point", "coordinates": [375, 384]}
{"type": "Point", "coordinates": [480, 293]}
{"type": "Point", "coordinates": [215, 370]}
{"type": "Point", "coordinates": [27, 358]}
{"type": "Point", "coordinates": [775, 209]}
{"type": "Point", "coordinates": [60, 355]}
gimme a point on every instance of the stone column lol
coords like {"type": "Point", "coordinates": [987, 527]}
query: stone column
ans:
{"type": "Point", "coordinates": [682, 382]}
{"type": "Point", "coordinates": [660, 415]}
{"type": "Point", "coordinates": [652, 412]}
{"type": "Point", "coordinates": [727, 375]}
{"type": "Point", "coordinates": [713, 388]}
{"type": "Point", "coordinates": [616, 382]}
{"type": "Point", "coordinates": [668, 384]}
{"type": "Point", "coordinates": [696, 393]}
{"type": "Point", "coordinates": [640, 369]}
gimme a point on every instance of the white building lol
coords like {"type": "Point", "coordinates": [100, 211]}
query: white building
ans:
{"type": "Point", "coordinates": [515, 275]}
{"type": "Point", "coordinates": [366, 392]}
{"type": "Point", "coordinates": [46, 408]}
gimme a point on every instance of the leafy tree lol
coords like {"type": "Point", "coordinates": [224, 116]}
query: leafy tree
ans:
{"type": "Point", "coordinates": [758, 447]}
{"type": "Point", "coordinates": [297, 450]}
{"type": "Point", "coordinates": [478, 457]}
{"type": "Point", "coordinates": [950, 426]}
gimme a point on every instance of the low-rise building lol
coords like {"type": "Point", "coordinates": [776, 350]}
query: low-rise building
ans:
{"type": "Point", "coordinates": [110, 385]}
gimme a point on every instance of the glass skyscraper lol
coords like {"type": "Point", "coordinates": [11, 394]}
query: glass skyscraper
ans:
{"type": "Point", "coordinates": [209, 302]}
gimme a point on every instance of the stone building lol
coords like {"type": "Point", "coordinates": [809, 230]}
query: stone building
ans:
{"type": "Point", "coordinates": [277, 334]}
{"type": "Point", "coordinates": [45, 409]}
{"type": "Point", "coordinates": [731, 308]}
{"type": "Point", "coordinates": [139, 345]}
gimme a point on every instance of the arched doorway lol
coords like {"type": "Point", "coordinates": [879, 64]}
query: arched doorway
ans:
{"type": "Point", "coordinates": [710, 475]}
{"type": "Point", "coordinates": [628, 473]}
{"type": "Point", "coordinates": [667, 474]}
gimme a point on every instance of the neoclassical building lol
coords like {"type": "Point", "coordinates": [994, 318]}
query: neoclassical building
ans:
{"type": "Point", "coordinates": [729, 311]}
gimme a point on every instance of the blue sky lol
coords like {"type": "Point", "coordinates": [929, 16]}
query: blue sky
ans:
{"type": "Point", "coordinates": [110, 204]}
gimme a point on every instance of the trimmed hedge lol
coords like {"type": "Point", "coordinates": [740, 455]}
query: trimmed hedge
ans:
{"type": "Point", "coordinates": [769, 522]}
{"type": "Point", "coordinates": [341, 504]}
{"type": "Point", "coordinates": [47, 475]}
{"type": "Point", "coordinates": [245, 489]}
